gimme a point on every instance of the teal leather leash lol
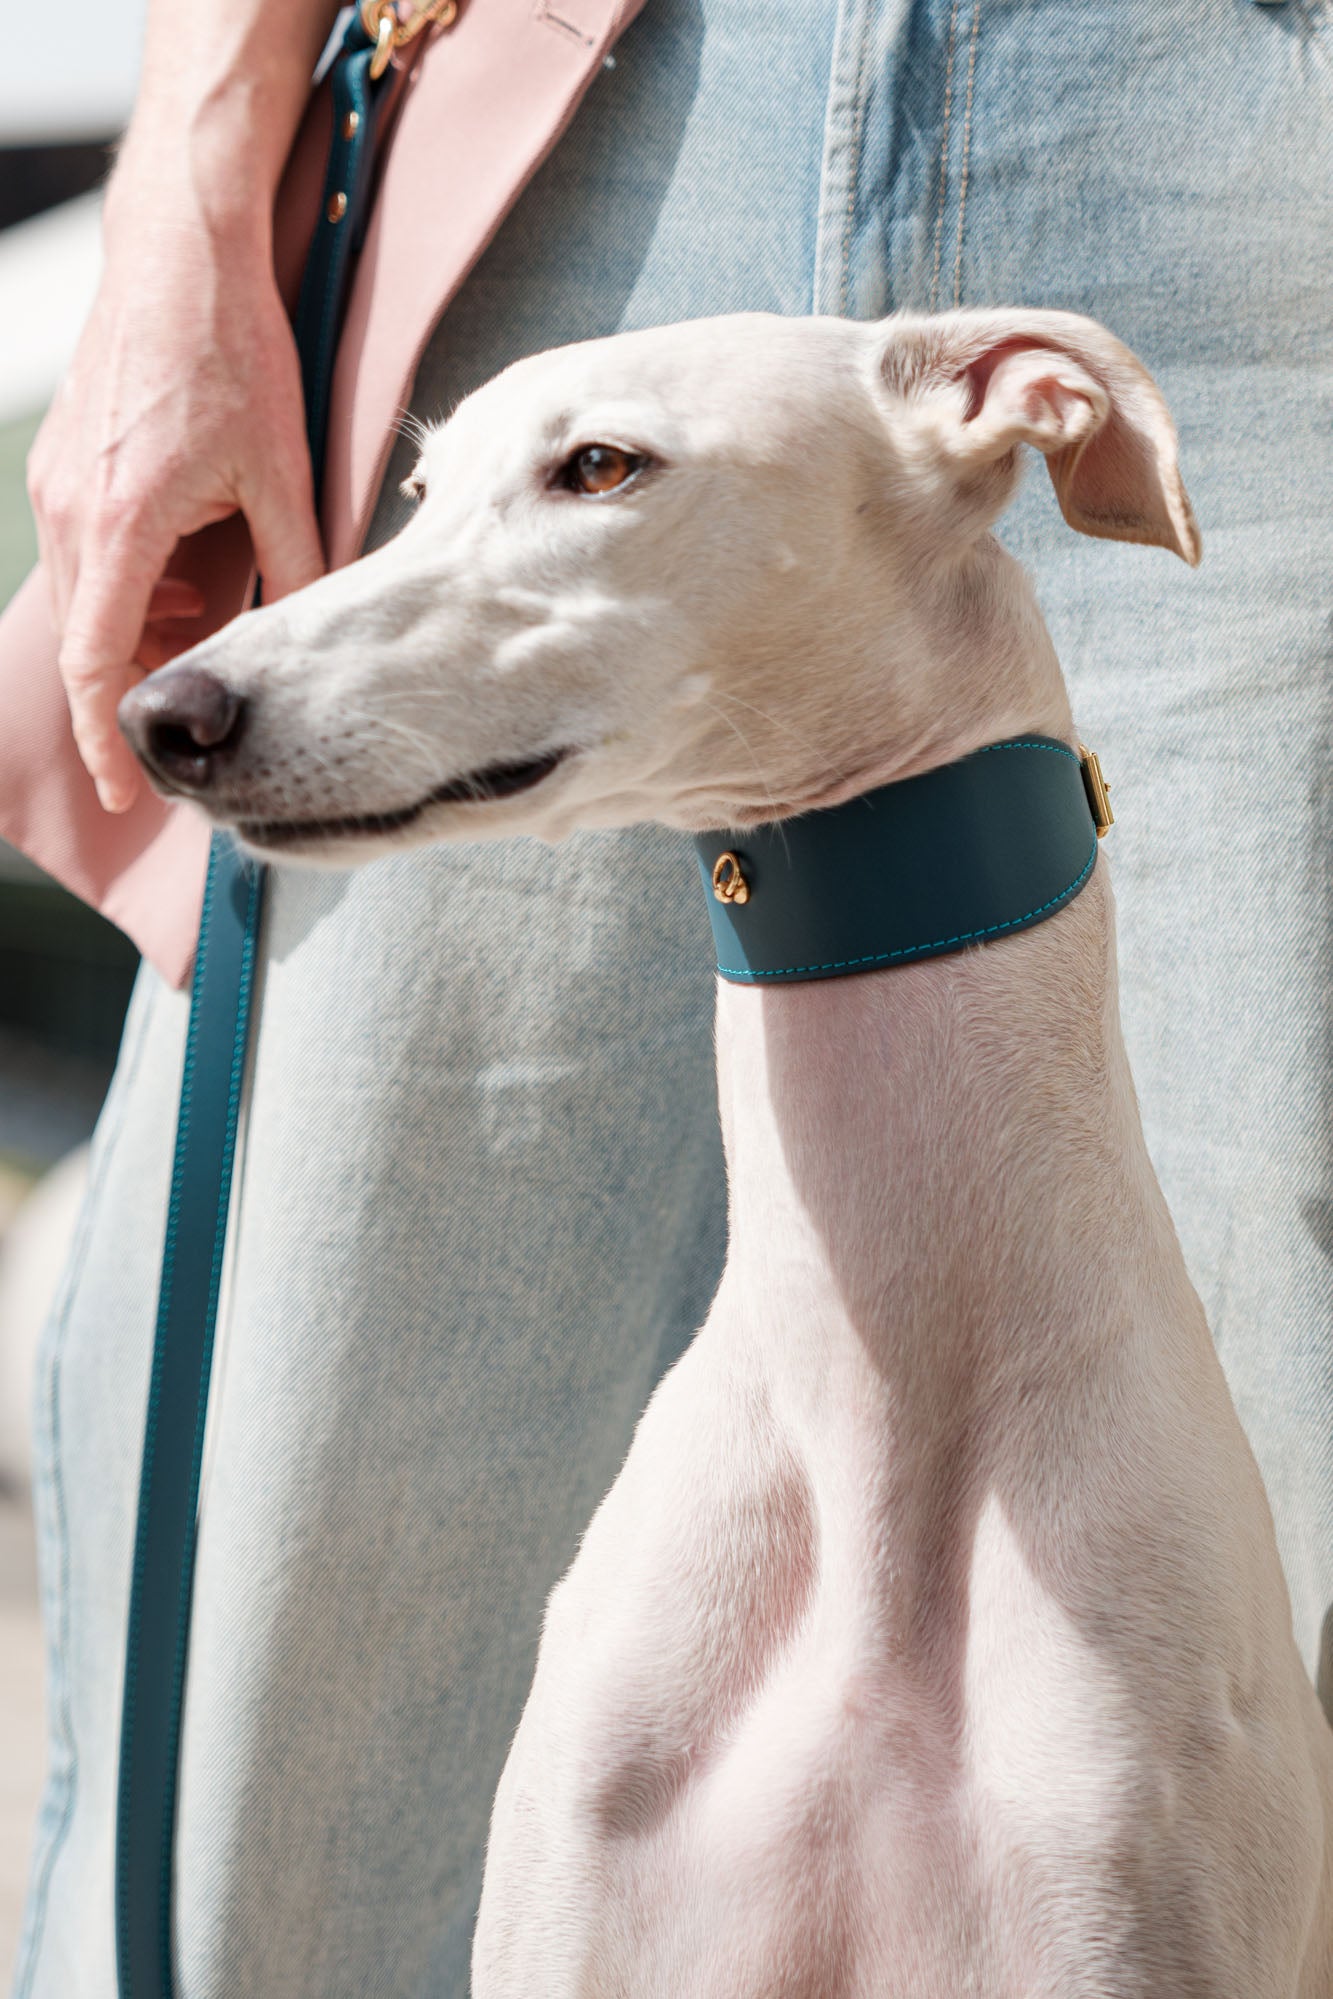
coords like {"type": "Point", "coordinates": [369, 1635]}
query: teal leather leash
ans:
{"type": "Point", "coordinates": [974, 850]}
{"type": "Point", "coordinates": [215, 1054]}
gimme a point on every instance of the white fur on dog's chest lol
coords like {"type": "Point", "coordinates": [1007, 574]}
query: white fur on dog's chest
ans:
{"type": "Point", "coordinates": [737, 1779]}
{"type": "Point", "coordinates": [890, 1667]}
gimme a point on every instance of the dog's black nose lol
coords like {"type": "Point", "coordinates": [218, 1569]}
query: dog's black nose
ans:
{"type": "Point", "coordinates": [179, 722]}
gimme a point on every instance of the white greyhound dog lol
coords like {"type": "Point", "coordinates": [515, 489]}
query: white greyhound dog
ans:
{"type": "Point", "coordinates": [932, 1643]}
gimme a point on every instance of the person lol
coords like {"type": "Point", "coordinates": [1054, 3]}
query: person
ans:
{"type": "Point", "coordinates": [480, 1203]}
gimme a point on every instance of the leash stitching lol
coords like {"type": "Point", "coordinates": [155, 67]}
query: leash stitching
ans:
{"type": "Point", "coordinates": [236, 1075]}
{"type": "Point", "coordinates": [129, 1707]}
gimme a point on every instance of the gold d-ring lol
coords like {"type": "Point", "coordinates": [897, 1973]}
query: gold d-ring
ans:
{"type": "Point", "coordinates": [729, 883]}
{"type": "Point", "coordinates": [381, 19]}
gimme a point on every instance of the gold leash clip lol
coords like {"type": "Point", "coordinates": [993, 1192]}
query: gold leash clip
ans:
{"type": "Point", "coordinates": [383, 22]}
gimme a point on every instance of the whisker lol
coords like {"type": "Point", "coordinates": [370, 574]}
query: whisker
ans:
{"type": "Point", "coordinates": [745, 744]}
{"type": "Point", "coordinates": [410, 427]}
{"type": "Point", "coordinates": [775, 722]}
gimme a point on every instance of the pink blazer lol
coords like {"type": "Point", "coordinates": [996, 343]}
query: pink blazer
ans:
{"type": "Point", "coordinates": [482, 108]}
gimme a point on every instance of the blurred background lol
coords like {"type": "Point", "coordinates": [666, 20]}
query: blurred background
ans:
{"type": "Point", "coordinates": [64, 974]}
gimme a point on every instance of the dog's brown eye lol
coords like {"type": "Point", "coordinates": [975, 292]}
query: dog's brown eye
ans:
{"type": "Point", "coordinates": [599, 468]}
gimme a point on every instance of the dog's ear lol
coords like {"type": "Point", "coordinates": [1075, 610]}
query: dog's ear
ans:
{"type": "Point", "coordinates": [978, 384]}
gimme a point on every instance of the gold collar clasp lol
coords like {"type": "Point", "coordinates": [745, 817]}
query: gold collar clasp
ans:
{"type": "Point", "coordinates": [1098, 790]}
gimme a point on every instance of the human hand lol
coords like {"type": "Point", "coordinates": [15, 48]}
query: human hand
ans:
{"type": "Point", "coordinates": [183, 406]}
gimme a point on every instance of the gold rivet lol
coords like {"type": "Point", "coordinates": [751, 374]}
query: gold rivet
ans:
{"type": "Point", "coordinates": [729, 883]}
{"type": "Point", "coordinates": [351, 124]}
{"type": "Point", "coordinates": [337, 207]}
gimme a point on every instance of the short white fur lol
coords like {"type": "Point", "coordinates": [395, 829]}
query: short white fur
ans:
{"type": "Point", "coordinates": [932, 1643]}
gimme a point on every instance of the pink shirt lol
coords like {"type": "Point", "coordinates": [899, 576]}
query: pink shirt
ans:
{"type": "Point", "coordinates": [480, 111]}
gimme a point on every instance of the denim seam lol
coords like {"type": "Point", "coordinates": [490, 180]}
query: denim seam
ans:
{"type": "Point", "coordinates": [966, 169]}
{"type": "Point", "coordinates": [61, 1719]}
{"type": "Point", "coordinates": [843, 123]}
{"type": "Point", "coordinates": [854, 166]}
{"type": "Point", "coordinates": [939, 943]}
{"type": "Point", "coordinates": [942, 201]}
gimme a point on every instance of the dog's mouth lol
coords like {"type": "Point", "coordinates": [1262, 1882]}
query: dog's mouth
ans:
{"type": "Point", "coordinates": [477, 787]}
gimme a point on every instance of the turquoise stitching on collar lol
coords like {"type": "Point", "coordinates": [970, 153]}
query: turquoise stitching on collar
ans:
{"type": "Point", "coordinates": [959, 855]}
{"type": "Point", "coordinates": [941, 944]}
{"type": "Point", "coordinates": [1025, 743]}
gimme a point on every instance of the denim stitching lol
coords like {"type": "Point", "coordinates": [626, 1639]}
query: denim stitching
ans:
{"type": "Point", "coordinates": [939, 944]}
{"type": "Point", "coordinates": [854, 164]}
{"type": "Point", "coordinates": [967, 156]}
{"type": "Point", "coordinates": [944, 156]}
{"type": "Point", "coordinates": [60, 1721]}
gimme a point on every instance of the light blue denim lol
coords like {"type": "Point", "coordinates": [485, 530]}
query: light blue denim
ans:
{"type": "Point", "coordinates": [481, 1201]}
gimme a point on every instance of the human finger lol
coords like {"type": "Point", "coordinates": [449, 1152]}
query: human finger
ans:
{"type": "Point", "coordinates": [102, 634]}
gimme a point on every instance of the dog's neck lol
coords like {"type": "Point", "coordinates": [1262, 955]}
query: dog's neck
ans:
{"type": "Point", "coordinates": [967, 660]}
{"type": "Point", "coordinates": [940, 1194]}
{"type": "Point", "coordinates": [893, 1138]}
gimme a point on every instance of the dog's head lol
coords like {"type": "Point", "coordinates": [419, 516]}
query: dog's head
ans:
{"type": "Point", "coordinates": [707, 574]}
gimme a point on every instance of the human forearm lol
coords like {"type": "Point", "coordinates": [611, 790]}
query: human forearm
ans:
{"type": "Point", "coordinates": [223, 86]}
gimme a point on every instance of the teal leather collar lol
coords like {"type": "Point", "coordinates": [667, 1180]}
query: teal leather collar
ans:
{"type": "Point", "coordinates": [971, 851]}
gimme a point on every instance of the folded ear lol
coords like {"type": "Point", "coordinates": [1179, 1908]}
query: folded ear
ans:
{"type": "Point", "coordinates": [980, 383]}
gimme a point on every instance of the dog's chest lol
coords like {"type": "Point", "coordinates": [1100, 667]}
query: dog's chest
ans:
{"type": "Point", "coordinates": [742, 1776]}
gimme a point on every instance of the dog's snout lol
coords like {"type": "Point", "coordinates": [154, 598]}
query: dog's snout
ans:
{"type": "Point", "coordinates": [180, 722]}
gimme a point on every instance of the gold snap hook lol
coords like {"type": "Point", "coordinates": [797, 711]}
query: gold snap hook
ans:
{"type": "Point", "coordinates": [729, 883]}
{"type": "Point", "coordinates": [391, 31]}
{"type": "Point", "coordinates": [1098, 790]}
{"type": "Point", "coordinates": [384, 37]}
